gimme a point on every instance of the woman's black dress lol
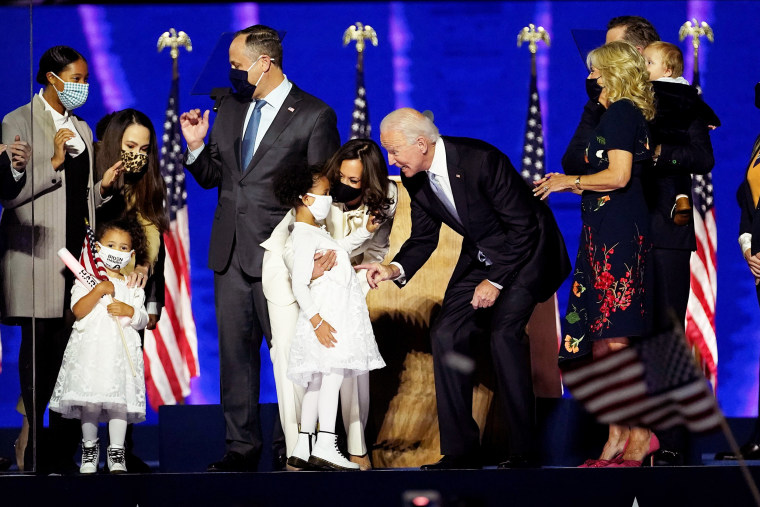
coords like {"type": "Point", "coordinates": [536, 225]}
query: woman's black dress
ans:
{"type": "Point", "coordinates": [610, 295]}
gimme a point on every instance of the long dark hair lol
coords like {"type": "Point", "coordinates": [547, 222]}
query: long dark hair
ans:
{"type": "Point", "coordinates": [374, 174]}
{"type": "Point", "coordinates": [147, 193]}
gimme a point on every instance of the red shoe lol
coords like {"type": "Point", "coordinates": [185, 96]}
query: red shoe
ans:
{"type": "Point", "coordinates": [602, 463]}
{"type": "Point", "coordinates": [654, 445]}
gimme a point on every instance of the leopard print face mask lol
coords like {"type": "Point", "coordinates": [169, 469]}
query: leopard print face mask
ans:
{"type": "Point", "coordinates": [134, 162]}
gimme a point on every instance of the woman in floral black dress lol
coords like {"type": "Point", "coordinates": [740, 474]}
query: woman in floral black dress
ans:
{"type": "Point", "coordinates": [610, 300]}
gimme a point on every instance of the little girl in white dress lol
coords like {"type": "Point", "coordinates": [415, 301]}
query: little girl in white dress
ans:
{"type": "Point", "coordinates": [96, 382]}
{"type": "Point", "coordinates": [334, 337]}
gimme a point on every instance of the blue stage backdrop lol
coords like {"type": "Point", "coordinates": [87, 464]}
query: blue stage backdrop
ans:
{"type": "Point", "coordinates": [458, 59]}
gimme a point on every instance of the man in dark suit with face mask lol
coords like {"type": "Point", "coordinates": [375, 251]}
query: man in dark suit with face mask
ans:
{"type": "Point", "coordinates": [268, 124]}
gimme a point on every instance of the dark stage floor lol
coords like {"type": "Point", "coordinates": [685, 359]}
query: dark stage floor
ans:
{"type": "Point", "coordinates": [646, 487]}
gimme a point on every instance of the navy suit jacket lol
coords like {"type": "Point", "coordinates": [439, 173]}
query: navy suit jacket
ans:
{"type": "Point", "coordinates": [499, 216]}
{"type": "Point", "coordinates": [304, 131]}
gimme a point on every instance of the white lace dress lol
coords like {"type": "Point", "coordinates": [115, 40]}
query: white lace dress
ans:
{"type": "Point", "coordinates": [338, 298]}
{"type": "Point", "coordinates": [95, 371]}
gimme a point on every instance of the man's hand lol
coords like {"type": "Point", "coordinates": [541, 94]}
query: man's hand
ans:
{"type": "Point", "coordinates": [324, 331]}
{"type": "Point", "coordinates": [377, 273]}
{"type": "Point", "coordinates": [485, 295]}
{"type": "Point", "coordinates": [323, 262]}
{"type": "Point", "coordinates": [152, 321]}
{"type": "Point", "coordinates": [194, 127]}
{"type": "Point", "coordinates": [753, 261]}
{"type": "Point", "coordinates": [20, 153]}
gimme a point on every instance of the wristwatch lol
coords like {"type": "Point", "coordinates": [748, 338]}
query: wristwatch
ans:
{"type": "Point", "coordinates": [578, 183]}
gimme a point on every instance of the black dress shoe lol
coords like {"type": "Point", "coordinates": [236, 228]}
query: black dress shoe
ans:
{"type": "Point", "coordinates": [749, 451]}
{"type": "Point", "coordinates": [233, 462]}
{"type": "Point", "coordinates": [450, 462]}
{"type": "Point", "coordinates": [667, 458]}
{"type": "Point", "coordinates": [279, 461]}
{"type": "Point", "coordinates": [5, 464]}
{"type": "Point", "coordinates": [518, 461]}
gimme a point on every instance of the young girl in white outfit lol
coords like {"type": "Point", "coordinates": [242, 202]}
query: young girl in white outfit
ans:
{"type": "Point", "coordinates": [96, 382]}
{"type": "Point", "coordinates": [334, 337]}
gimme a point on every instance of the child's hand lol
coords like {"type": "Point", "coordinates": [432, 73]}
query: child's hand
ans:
{"type": "Point", "coordinates": [373, 223]}
{"type": "Point", "coordinates": [106, 288]}
{"type": "Point", "coordinates": [324, 331]}
{"type": "Point", "coordinates": [120, 309]}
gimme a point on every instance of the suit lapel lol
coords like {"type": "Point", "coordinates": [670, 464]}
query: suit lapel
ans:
{"type": "Point", "coordinates": [281, 120]}
{"type": "Point", "coordinates": [238, 122]}
{"type": "Point", "coordinates": [456, 180]}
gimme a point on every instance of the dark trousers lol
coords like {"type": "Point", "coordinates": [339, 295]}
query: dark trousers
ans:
{"type": "Point", "coordinates": [56, 446]}
{"type": "Point", "coordinates": [672, 275]}
{"type": "Point", "coordinates": [452, 336]}
{"type": "Point", "coordinates": [243, 321]}
{"type": "Point", "coordinates": [672, 279]}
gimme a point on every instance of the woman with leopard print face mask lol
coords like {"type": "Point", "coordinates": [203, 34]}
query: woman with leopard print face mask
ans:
{"type": "Point", "coordinates": [128, 136]}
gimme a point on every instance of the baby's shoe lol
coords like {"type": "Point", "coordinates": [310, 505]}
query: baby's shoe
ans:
{"type": "Point", "coordinates": [299, 460]}
{"type": "Point", "coordinates": [326, 454]}
{"type": "Point", "coordinates": [90, 456]}
{"type": "Point", "coordinates": [117, 463]}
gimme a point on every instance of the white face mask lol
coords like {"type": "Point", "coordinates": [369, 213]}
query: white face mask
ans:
{"type": "Point", "coordinates": [320, 208]}
{"type": "Point", "coordinates": [114, 259]}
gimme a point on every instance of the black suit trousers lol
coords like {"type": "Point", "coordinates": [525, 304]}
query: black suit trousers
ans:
{"type": "Point", "coordinates": [672, 279]}
{"type": "Point", "coordinates": [452, 335]}
{"type": "Point", "coordinates": [243, 321]}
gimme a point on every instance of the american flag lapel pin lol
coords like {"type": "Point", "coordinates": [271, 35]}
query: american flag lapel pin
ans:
{"type": "Point", "coordinates": [291, 110]}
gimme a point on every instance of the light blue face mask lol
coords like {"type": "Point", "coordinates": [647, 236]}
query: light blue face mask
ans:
{"type": "Point", "coordinates": [74, 95]}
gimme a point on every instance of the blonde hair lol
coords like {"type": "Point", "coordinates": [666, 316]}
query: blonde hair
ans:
{"type": "Point", "coordinates": [672, 58]}
{"type": "Point", "coordinates": [625, 75]}
{"type": "Point", "coordinates": [411, 123]}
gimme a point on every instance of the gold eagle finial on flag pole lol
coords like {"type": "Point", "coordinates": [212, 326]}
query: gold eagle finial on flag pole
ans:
{"type": "Point", "coordinates": [174, 40]}
{"type": "Point", "coordinates": [360, 33]}
{"type": "Point", "coordinates": [532, 36]}
{"type": "Point", "coordinates": [696, 30]}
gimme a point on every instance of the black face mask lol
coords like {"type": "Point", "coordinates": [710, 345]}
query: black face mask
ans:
{"type": "Point", "coordinates": [239, 80]}
{"type": "Point", "coordinates": [341, 192]}
{"type": "Point", "coordinates": [593, 90]}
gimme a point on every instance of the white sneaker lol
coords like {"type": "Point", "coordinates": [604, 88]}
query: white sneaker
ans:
{"type": "Point", "coordinates": [299, 460]}
{"type": "Point", "coordinates": [326, 454]}
{"type": "Point", "coordinates": [90, 457]}
{"type": "Point", "coordinates": [115, 458]}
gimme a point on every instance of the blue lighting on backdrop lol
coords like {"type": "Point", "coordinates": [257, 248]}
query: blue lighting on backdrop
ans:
{"type": "Point", "coordinates": [457, 59]}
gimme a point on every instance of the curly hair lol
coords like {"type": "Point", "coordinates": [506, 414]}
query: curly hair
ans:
{"type": "Point", "coordinates": [625, 75]}
{"type": "Point", "coordinates": [131, 226]}
{"type": "Point", "coordinates": [146, 193]}
{"type": "Point", "coordinates": [374, 174]}
{"type": "Point", "coordinates": [294, 181]}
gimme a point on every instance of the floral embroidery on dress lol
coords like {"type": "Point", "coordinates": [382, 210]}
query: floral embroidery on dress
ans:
{"type": "Point", "coordinates": [614, 294]}
{"type": "Point", "coordinates": [572, 344]}
{"type": "Point", "coordinates": [601, 202]}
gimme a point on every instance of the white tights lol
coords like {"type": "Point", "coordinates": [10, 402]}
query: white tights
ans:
{"type": "Point", "coordinates": [117, 426]}
{"type": "Point", "coordinates": [320, 402]}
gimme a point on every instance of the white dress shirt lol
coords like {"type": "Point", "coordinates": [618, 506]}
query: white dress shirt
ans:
{"type": "Point", "coordinates": [274, 101]}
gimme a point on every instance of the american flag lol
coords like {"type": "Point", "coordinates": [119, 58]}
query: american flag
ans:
{"type": "Point", "coordinates": [171, 350]}
{"type": "Point", "coordinates": [360, 127]}
{"type": "Point", "coordinates": [89, 258]}
{"type": "Point", "coordinates": [700, 312]}
{"type": "Point", "coordinates": [653, 384]}
{"type": "Point", "coordinates": [533, 167]}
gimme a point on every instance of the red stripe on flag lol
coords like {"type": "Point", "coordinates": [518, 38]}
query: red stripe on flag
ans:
{"type": "Point", "coordinates": [166, 363]}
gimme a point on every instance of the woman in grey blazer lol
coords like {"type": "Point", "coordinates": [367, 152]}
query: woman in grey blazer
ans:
{"type": "Point", "coordinates": [57, 194]}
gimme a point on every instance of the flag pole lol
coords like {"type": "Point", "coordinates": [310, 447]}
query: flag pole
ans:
{"type": "Point", "coordinates": [695, 30]}
{"type": "Point", "coordinates": [360, 126]}
{"type": "Point", "coordinates": [533, 36]}
{"type": "Point", "coordinates": [174, 40]}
